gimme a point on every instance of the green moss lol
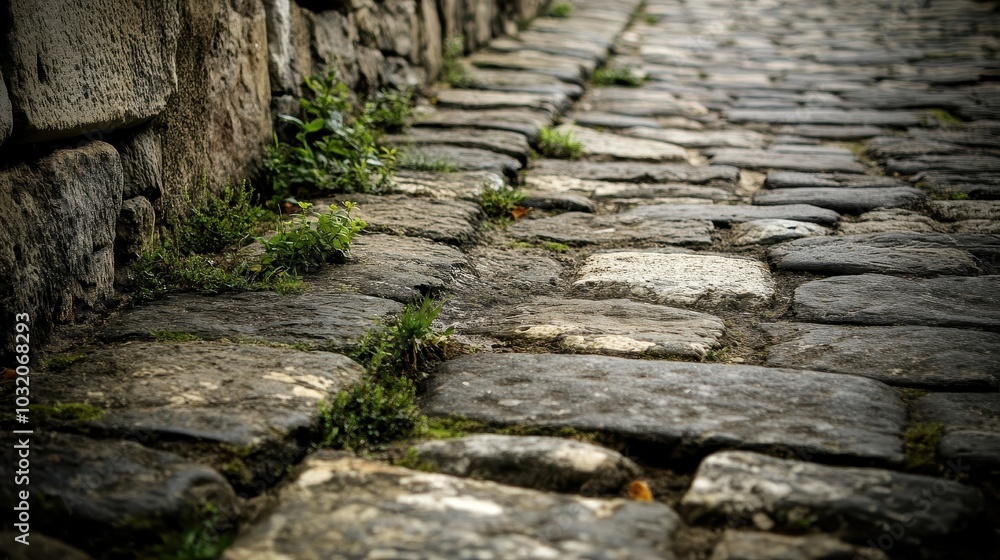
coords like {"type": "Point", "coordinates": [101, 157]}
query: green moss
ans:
{"type": "Point", "coordinates": [559, 145]}
{"type": "Point", "coordinates": [920, 443]}
{"type": "Point", "coordinates": [173, 336]}
{"type": "Point", "coordinates": [522, 245]}
{"type": "Point", "coordinates": [68, 412]}
{"type": "Point", "coordinates": [619, 76]}
{"type": "Point", "coordinates": [62, 361]}
{"type": "Point", "coordinates": [203, 537]}
{"type": "Point", "coordinates": [948, 195]}
{"type": "Point", "coordinates": [717, 355]}
{"type": "Point", "coordinates": [944, 118]}
{"type": "Point", "coordinates": [412, 461]}
{"type": "Point", "coordinates": [555, 247]}
{"type": "Point", "coordinates": [651, 19]}
{"type": "Point", "coordinates": [560, 9]}
{"type": "Point", "coordinates": [454, 72]}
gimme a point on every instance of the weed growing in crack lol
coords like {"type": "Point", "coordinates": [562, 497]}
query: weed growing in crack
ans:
{"type": "Point", "coordinates": [560, 9]}
{"type": "Point", "coordinates": [307, 240]}
{"type": "Point", "coordinates": [454, 73]}
{"type": "Point", "coordinates": [559, 145]}
{"type": "Point", "coordinates": [500, 204]}
{"type": "Point", "coordinates": [619, 76]}
{"type": "Point", "coordinates": [417, 161]}
{"type": "Point", "coordinates": [390, 110]}
{"type": "Point", "coordinates": [920, 442]}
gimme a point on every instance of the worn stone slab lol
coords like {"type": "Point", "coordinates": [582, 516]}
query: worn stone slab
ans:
{"type": "Point", "coordinates": [971, 440]}
{"type": "Point", "coordinates": [857, 504]}
{"type": "Point", "coordinates": [324, 317]}
{"type": "Point", "coordinates": [663, 105]}
{"type": "Point", "coordinates": [602, 119]}
{"type": "Point", "coordinates": [105, 485]}
{"type": "Point", "coordinates": [615, 327]}
{"type": "Point", "coordinates": [500, 141]}
{"type": "Point", "coordinates": [567, 68]}
{"type": "Point", "coordinates": [542, 463]}
{"type": "Point", "coordinates": [439, 219]}
{"type": "Point", "coordinates": [551, 200]}
{"type": "Point", "coordinates": [890, 220]}
{"type": "Point", "coordinates": [609, 190]}
{"type": "Point", "coordinates": [614, 146]}
{"type": "Point", "coordinates": [766, 232]}
{"type": "Point", "coordinates": [887, 253]}
{"type": "Point", "coordinates": [795, 179]}
{"type": "Point", "coordinates": [770, 159]}
{"type": "Point", "coordinates": [705, 281]}
{"type": "Point", "coordinates": [637, 172]}
{"type": "Point", "coordinates": [909, 356]}
{"type": "Point", "coordinates": [825, 116]}
{"type": "Point", "coordinates": [355, 508]}
{"type": "Point", "coordinates": [845, 201]}
{"type": "Point", "coordinates": [962, 163]}
{"type": "Point", "coordinates": [955, 210]}
{"type": "Point", "coordinates": [751, 545]}
{"type": "Point", "coordinates": [480, 100]}
{"type": "Point", "coordinates": [526, 122]}
{"type": "Point", "coordinates": [460, 158]}
{"type": "Point", "coordinates": [699, 138]}
{"type": "Point", "coordinates": [550, 43]}
{"type": "Point", "coordinates": [687, 408]}
{"type": "Point", "coordinates": [874, 299]}
{"type": "Point", "coordinates": [733, 214]}
{"type": "Point", "coordinates": [842, 133]}
{"type": "Point", "coordinates": [467, 185]}
{"type": "Point", "coordinates": [526, 82]}
{"type": "Point", "coordinates": [579, 228]}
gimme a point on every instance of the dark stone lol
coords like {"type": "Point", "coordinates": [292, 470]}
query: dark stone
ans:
{"type": "Point", "coordinates": [845, 201]}
{"type": "Point", "coordinates": [792, 179]}
{"type": "Point", "coordinates": [526, 122]}
{"type": "Point", "coordinates": [824, 116]}
{"type": "Point", "coordinates": [636, 172]}
{"type": "Point", "coordinates": [727, 214]}
{"type": "Point", "coordinates": [971, 441]}
{"type": "Point", "coordinates": [460, 158]}
{"type": "Point", "coordinates": [771, 159]}
{"type": "Point", "coordinates": [500, 141]}
{"type": "Point", "coordinates": [439, 219]}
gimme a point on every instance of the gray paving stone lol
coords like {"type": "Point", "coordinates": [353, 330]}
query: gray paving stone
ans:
{"type": "Point", "coordinates": [662, 105]}
{"type": "Point", "coordinates": [873, 299]}
{"type": "Point", "coordinates": [962, 163]}
{"type": "Point", "coordinates": [890, 220]}
{"type": "Point", "coordinates": [825, 116]}
{"type": "Point", "coordinates": [609, 190]}
{"type": "Point", "coordinates": [794, 179]}
{"type": "Point", "coordinates": [971, 441]}
{"type": "Point", "coordinates": [766, 232]}
{"type": "Point", "coordinates": [732, 214]}
{"type": "Point", "coordinates": [566, 68]}
{"type": "Point", "coordinates": [770, 159]}
{"type": "Point", "coordinates": [550, 43]}
{"type": "Point", "coordinates": [542, 463]}
{"type": "Point", "coordinates": [637, 172]}
{"type": "Point", "coordinates": [615, 327]}
{"type": "Point", "coordinates": [550, 200]}
{"type": "Point", "coordinates": [356, 508]}
{"type": "Point", "coordinates": [954, 210]}
{"type": "Point", "coordinates": [468, 185]}
{"type": "Point", "coordinates": [886, 253]}
{"type": "Point", "coordinates": [704, 281]}
{"type": "Point", "coordinates": [480, 100]}
{"type": "Point", "coordinates": [614, 146]}
{"type": "Point", "coordinates": [921, 357]}
{"type": "Point", "coordinates": [460, 158]}
{"type": "Point", "coordinates": [687, 408]}
{"type": "Point", "coordinates": [700, 138]}
{"type": "Point", "coordinates": [578, 228]}
{"type": "Point", "coordinates": [324, 317]}
{"type": "Point", "coordinates": [526, 122]}
{"type": "Point", "coordinates": [526, 82]}
{"type": "Point", "coordinates": [439, 219]}
{"type": "Point", "coordinates": [846, 201]}
{"type": "Point", "coordinates": [750, 545]}
{"type": "Point", "coordinates": [500, 141]}
{"type": "Point", "coordinates": [858, 504]}
{"type": "Point", "coordinates": [603, 119]}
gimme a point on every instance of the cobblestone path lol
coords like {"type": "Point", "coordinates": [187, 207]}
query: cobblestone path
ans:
{"type": "Point", "coordinates": [768, 289]}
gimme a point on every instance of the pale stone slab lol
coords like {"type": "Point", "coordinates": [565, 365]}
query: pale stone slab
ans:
{"type": "Point", "coordinates": [578, 228]}
{"type": "Point", "coordinates": [766, 232]}
{"type": "Point", "coordinates": [607, 145]}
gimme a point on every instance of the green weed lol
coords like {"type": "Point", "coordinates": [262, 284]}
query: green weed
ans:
{"type": "Point", "coordinates": [68, 412]}
{"type": "Point", "coordinates": [651, 19]}
{"type": "Point", "coordinates": [417, 161]}
{"type": "Point", "coordinates": [412, 461]}
{"type": "Point", "coordinates": [306, 241]}
{"type": "Point", "coordinates": [619, 76]}
{"type": "Point", "coordinates": [220, 221]}
{"type": "Point", "coordinates": [454, 72]}
{"type": "Point", "coordinates": [560, 9]}
{"type": "Point", "coordinates": [499, 204]}
{"type": "Point", "coordinates": [405, 346]}
{"type": "Point", "coordinates": [173, 336]}
{"type": "Point", "coordinates": [390, 110]}
{"type": "Point", "coordinates": [555, 247]}
{"type": "Point", "coordinates": [560, 145]}
{"type": "Point", "coordinates": [204, 538]}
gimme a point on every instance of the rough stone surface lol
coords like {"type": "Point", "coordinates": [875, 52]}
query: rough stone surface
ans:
{"type": "Point", "coordinates": [542, 463]}
{"type": "Point", "coordinates": [461, 158]}
{"type": "Point", "coordinates": [749, 545]}
{"type": "Point", "coordinates": [134, 229]}
{"type": "Point", "coordinates": [439, 219]}
{"type": "Point", "coordinates": [473, 100]}
{"type": "Point", "coordinates": [887, 253]}
{"type": "Point", "coordinates": [79, 66]}
{"type": "Point", "coordinates": [500, 141]}
{"type": "Point", "coordinates": [730, 214]}
{"type": "Point", "coordinates": [358, 508]}
{"type": "Point", "coordinates": [467, 185]}
{"type": "Point", "coordinates": [57, 243]}
{"type": "Point", "coordinates": [526, 122]}
{"type": "Point", "coordinates": [636, 172]}
{"type": "Point", "coordinates": [141, 155]}
{"type": "Point", "coordinates": [6, 118]}
{"type": "Point", "coordinates": [770, 159]}
{"type": "Point", "coordinates": [700, 138]}
{"type": "Point", "coordinates": [766, 232]}
{"type": "Point", "coordinates": [322, 317]}
{"type": "Point", "coordinates": [578, 228]}
{"type": "Point", "coordinates": [846, 201]}
{"type": "Point", "coordinates": [606, 189]}
{"type": "Point", "coordinates": [971, 440]}
{"type": "Point", "coordinates": [687, 408]}
{"type": "Point", "coordinates": [705, 281]}
{"type": "Point", "coordinates": [921, 357]}
{"type": "Point", "coordinates": [613, 146]}
{"type": "Point", "coordinates": [548, 200]}
{"type": "Point", "coordinates": [93, 488]}
{"type": "Point", "coordinates": [855, 503]}
{"type": "Point", "coordinates": [566, 68]}
{"type": "Point", "coordinates": [952, 210]}
{"type": "Point", "coordinates": [825, 116]}
{"type": "Point", "coordinates": [616, 327]}
{"type": "Point", "coordinates": [512, 80]}
{"type": "Point", "coordinates": [793, 180]}
{"type": "Point", "coordinates": [890, 220]}
{"type": "Point", "coordinates": [41, 547]}
{"type": "Point", "coordinates": [873, 299]}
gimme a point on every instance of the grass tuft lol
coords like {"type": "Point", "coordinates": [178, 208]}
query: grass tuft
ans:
{"type": "Point", "coordinates": [560, 9]}
{"type": "Point", "coordinates": [559, 145]}
{"type": "Point", "coordinates": [619, 76]}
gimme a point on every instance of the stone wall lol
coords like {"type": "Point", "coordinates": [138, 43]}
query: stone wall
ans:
{"type": "Point", "coordinates": [111, 111]}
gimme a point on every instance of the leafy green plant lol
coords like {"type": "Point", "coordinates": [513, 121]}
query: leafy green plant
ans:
{"type": "Point", "coordinates": [560, 9]}
{"type": "Point", "coordinates": [335, 148]}
{"type": "Point", "coordinates": [560, 145]}
{"type": "Point", "coordinates": [307, 240]}
{"type": "Point", "coordinates": [454, 72]}
{"type": "Point", "coordinates": [223, 220]}
{"type": "Point", "coordinates": [417, 161]}
{"type": "Point", "coordinates": [499, 204]}
{"type": "Point", "coordinates": [619, 76]}
{"type": "Point", "coordinates": [405, 346]}
{"type": "Point", "coordinates": [390, 110]}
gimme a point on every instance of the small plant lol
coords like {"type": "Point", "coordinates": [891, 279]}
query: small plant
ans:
{"type": "Point", "coordinates": [619, 76]}
{"type": "Point", "coordinates": [500, 204]}
{"type": "Point", "coordinates": [62, 361]}
{"type": "Point", "coordinates": [920, 443]}
{"type": "Point", "coordinates": [560, 9]}
{"type": "Point", "coordinates": [417, 161]}
{"type": "Point", "coordinates": [555, 247]}
{"type": "Point", "coordinates": [220, 221]}
{"type": "Point", "coordinates": [651, 19]}
{"type": "Point", "coordinates": [68, 412]}
{"type": "Point", "coordinates": [390, 110]}
{"type": "Point", "coordinates": [560, 145]}
{"type": "Point", "coordinates": [412, 461]}
{"type": "Point", "coordinates": [306, 241]}
{"type": "Point", "coordinates": [454, 72]}
{"type": "Point", "coordinates": [404, 347]}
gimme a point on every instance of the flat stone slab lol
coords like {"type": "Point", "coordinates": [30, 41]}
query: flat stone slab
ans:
{"type": "Point", "coordinates": [460, 158]}
{"type": "Point", "coordinates": [349, 507]}
{"type": "Point", "coordinates": [610, 190]}
{"type": "Point", "coordinates": [105, 485]}
{"type": "Point", "coordinates": [439, 219]}
{"type": "Point", "coordinates": [857, 504]}
{"type": "Point", "coordinates": [527, 82]}
{"type": "Point", "coordinates": [552, 200]}
{"type": "Point", "coordinates": [971, 441]}
{"type": "Point", "coordinates": [637, 172]}
{"type": "Point", "coordinates": [962, 163]}
{"type": "Point", "coordinates": [579, 228]}
{"type": "Point", "coordinates": [886, 253]}
{"type": "Point", "coordinates": [500, 141]}
{"type": "Point", "coordinates": [704, 281]}
{"type": "Point", "coordinates": [921, 357]}
{"type": "Point", "coordinates": [41, 547]}
{"type": "Point", "coordinates": [615, 146]}
{"type": "Point", "coordinates": [734, 214]}
{"type": "Point", "coordinates": [479, 100]}
{"type": "Point", "coordinates": [542, 463]}
{"type": "Point", "coordinates": [825, 116]}
{"type": "Point", "coordinates": [766, 232]}
{"type": "Point", "coordinates": [954, 210]}
{"type": "Point", "coordinates": [688, 408]}
{"type": "Point", "coordinates": [402, 269]}
{"type": "Point", "coordinates": [322, 318]}
{"type": "Point", "coordinates": [603, 119]}
{"type": "Point", "coordinates": [616, 327]}
{"type": "Point", "coordinates": [890, 220]}
{"type": "Point", "coordinates": [699, 138]}
{"type": "Point", "coordinates": [467, 185]}
{"type": "Point", "coordinates": [526, 122]}
{"type": "Point", "coordinates": [873, 299]}
{"type": "Point", "coordinates": [751, 545]}
{"type": "Point", "coordinates": [794, 180]}
{"type": "Point", "coordinates": [830, 132]}
{"type": "Point", "coordinates": [845, 201]}
{"type": "Point", "coordinates": [201, 392]}
{"type": "Point", "coordinates": [567, 68]}
{"type": "Point", "coordinates": [768, 159]}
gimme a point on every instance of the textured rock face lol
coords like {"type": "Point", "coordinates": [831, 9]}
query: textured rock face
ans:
{"type": "Point", "coordinates": [6, 118]}
{"type": "Point", "coordinates": [57, 243]}
{"type": "Point", "coordinates": [355, 508]}
{"type": "Point", "coordinates": [78, 66]}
